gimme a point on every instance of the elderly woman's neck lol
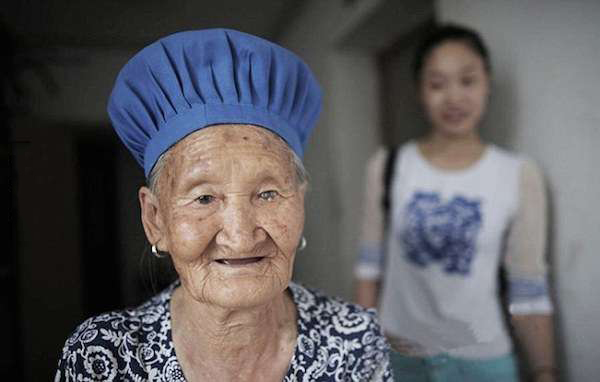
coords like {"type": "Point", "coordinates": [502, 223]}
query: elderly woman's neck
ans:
{"type": "Point", "coordinates": [208, 337]}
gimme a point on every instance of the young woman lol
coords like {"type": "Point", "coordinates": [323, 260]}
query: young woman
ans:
{"type": "Point", "coordinates": [459, 209]}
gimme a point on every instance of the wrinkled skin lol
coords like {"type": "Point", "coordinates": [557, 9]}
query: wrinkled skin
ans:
{"type": "Point", "coordinates": [228, 194]}
{"type": "Point", "coordinates": [229, 210]}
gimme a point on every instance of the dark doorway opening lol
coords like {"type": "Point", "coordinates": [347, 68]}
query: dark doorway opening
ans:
{"type": "Point", "coordinates": [96, 157]}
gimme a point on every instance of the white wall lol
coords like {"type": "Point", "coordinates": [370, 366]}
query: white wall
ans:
{"type": "Point", "coordinates": [546, 57]}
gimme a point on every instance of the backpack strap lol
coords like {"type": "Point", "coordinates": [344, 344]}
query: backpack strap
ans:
{"type": "Point", "coordinates": [388, 173]}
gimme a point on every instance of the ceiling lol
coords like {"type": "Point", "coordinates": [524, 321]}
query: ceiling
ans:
{"type": "Point", "coordinates": [133, 23]}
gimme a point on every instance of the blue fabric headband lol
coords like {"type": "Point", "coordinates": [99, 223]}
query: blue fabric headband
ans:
{"type": "Point", "coordinates": [190, 80]}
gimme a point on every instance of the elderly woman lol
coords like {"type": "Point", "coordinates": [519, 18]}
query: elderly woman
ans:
{"type": "Point", "coordinates": [219, 120]}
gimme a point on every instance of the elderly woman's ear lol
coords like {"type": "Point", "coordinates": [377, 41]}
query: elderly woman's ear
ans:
{"type": "Point", "coordinates": [152, 219]}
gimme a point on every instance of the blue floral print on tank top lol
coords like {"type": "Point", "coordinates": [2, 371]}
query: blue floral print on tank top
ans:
{"type": "Point", "coordinates": [441, 232]}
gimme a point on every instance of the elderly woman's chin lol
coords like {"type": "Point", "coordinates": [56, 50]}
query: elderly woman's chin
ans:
{"type": "Point", "coordinates": [238, 287]}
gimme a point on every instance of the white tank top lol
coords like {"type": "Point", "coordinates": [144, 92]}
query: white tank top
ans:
{"type": "Point", "coordinates": [444, 251]}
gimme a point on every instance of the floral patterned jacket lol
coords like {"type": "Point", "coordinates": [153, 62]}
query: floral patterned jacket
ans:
{"type": "Point", "coordinates": [337, 341]}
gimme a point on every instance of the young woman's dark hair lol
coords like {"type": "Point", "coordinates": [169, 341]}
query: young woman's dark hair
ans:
{"type": "Point", "coordinates": [445, 33]}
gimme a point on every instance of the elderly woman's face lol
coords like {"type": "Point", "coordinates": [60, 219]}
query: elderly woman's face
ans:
{"type": "Point", "coordinates": [231, 213]}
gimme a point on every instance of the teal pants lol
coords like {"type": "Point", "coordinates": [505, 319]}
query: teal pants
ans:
{"type": "Point", "coordinates": [443, 368]}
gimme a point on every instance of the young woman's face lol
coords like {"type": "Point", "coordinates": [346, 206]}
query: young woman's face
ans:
{"type": "Point", "coordinates": [454, 88]}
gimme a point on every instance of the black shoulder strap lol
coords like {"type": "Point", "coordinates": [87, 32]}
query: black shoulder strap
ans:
{"type": "Point", "coordinates": [388, 173]}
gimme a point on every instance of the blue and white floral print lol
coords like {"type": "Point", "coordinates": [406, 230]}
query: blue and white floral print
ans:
{"type": "Point", "coordinates": [336, 341]}
{"type": "Point", "coordinates": [440, 232]}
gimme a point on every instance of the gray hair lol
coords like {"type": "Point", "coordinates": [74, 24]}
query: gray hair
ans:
{"type": "Point", "coordinates": [153, 180]}
{"type": "Point", "coordinates": [157, 171]}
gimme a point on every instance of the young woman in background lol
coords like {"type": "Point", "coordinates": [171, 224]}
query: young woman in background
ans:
{"type": "Point", "coordinates": [459, 209]}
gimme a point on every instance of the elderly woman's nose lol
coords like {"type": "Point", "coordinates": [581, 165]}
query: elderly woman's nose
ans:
{"type": "Point", "coordinates": [240, 229]}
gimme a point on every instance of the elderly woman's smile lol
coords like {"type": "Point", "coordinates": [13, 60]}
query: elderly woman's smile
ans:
{"type": "Point", "coordinates": [229, 210]}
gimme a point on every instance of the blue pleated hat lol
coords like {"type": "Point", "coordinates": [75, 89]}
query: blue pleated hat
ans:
{"type": "Point", "coordinates": [191, 80]}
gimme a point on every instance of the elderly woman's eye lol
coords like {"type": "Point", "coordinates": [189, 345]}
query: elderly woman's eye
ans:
{"type": "Point", "coordinates": [205, 199]}
{"type": "Point", "coordinates": [268, 195]}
